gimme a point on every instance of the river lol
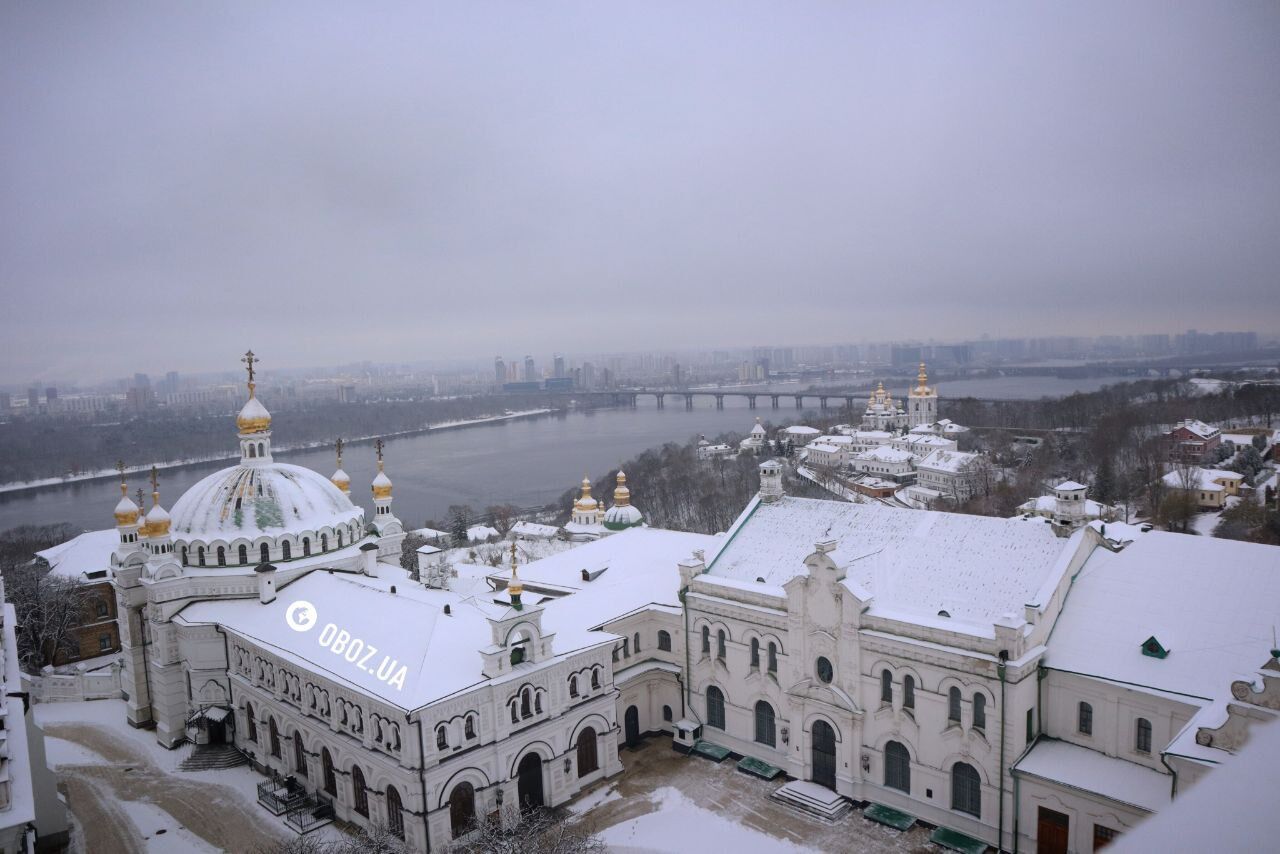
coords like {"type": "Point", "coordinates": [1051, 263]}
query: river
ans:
{"type": "Point", "coordinates": [521, 462]}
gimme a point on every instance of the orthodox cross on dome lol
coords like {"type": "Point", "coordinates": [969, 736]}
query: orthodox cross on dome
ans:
{"type": "Point", "coordinates": [249, 359]}
{"type": "Point", "coordinates": [124, 487]}
{"type": "Point", "coordinates": [338, 445]}
{"type": "Point", "coordinates": [141, 499]}
{"type": "Point", "coordinates": [155, 481]}
{"type": "Point", "coordinates": [377, 446]}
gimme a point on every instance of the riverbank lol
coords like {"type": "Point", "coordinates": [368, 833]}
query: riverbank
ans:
{"type": "Point", "coordinates": [101, 474]}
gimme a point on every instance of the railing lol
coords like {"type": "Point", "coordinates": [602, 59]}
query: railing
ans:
{"type": "Point", "coordinates": [310, 814]}
{"type": "Point", "coordinates": [280, 796]}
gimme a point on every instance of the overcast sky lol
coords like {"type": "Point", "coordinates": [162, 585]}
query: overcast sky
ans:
{"type": "Point", "coordinates": [329, 182]}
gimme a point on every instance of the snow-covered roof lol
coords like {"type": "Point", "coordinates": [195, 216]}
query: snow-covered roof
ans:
{"type": "Point", "coordinates": [1069, 486]}
{"type": "Point", "coordinates": [823, 447]}
{"type": "Point", "coordinates": [1204, 431]}
{"type": "Point", "coordinates": [476, 533]}
{"type": "Point", "coordinates": [1211, 602]}
{"type": "Point", "coordinates": [1207, 480]}
{"type": "Point", "coordinates": [88, 552]}
{"type": "Point", "coordinates": [913, 562]}
{"type": "Point", "coordinates": [430, 533]}
{"type": "Point", "coordinates": [533, 529]}
{"type": "Point", "coordinates": [1081, 768]}
{"type": "Point", "coordinates": [948, 461]}
{"type": "Point", "coordinates": [885, 455]}
{"type": "Point", "coordinates": [1049, 504]}
{"type": "Point", "coordinates": [247, 501]}
{"type": "Point", "coordinates": [802, 430]}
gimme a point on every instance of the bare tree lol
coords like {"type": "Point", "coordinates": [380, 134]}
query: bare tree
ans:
{"type": "Point", "coordinates": [49, 609]}
{"type": "Point", "coordinates": [504, 516]}
{"type": "Point", "coordinates": [540, 832]}
{"type": "Point", "coordinates": [376, 839]}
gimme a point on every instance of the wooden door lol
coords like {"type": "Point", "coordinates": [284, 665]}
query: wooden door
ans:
{"type": "Point", "coordinates": [1053, 832]}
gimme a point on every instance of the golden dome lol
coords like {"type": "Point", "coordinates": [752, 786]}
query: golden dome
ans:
{"type": "Point", "coordinates": [126, 511]}
{"type": "Point", "coordinates": [381, 486]}
{"type": "Point", "coordinates": [254, 417]}
{"type": "Point", "coordinates": [621, 495]}
{"type": "Point", "coordinates": [585, 502]}
{"type": "Point", "coordinates": [922, 384]}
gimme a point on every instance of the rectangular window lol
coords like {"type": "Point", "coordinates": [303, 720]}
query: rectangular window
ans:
{"type": "Point", "coordinates": [1103, 836]}
{"type": "Point", "coordinates": [1031, 725]}
{"type": "Point", "coordinates": [104, 642]}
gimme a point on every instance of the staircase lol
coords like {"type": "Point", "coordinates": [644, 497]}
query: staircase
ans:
{"type": "Point", "coordinates": [812, 799]}
{"type": "Point", "coordinates": [212, 757]}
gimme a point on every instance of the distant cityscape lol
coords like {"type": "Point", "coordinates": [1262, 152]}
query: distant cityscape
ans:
{"type": "Point", "coordinates": [564, 373]}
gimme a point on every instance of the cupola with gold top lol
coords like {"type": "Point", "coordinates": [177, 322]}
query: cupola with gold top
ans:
{"type": "Point", "coordinates": [514, 588]}
{"type": "Point", "coordinates": [381, 483]}
{"type": "Point", "coordinates": [340, 478]}
{"type": "Point", "coordinates": [622, 514]}
{"type": "Point", "coordinates": [157, 520]}
{"type": "Point", "coordinates": [390, 531]}
{"type": "Point", "coordinates": [254, 422]}
{"type": "Point", "coordinates": [584, 520]}
{"type": "Point", "coordinates": [127, 516]}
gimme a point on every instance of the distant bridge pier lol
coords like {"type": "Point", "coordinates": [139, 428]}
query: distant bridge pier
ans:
{"type": "Point", "coordinates": [848, 403]}
{"type": "Point", "coordinates": [751, 401]}
{"type": "Point", "coordinates": [822, 401]}
{"type": "Point", "coordinates": [688, 401]}
{"type": "Point", "coordinates": [799, 401]}
{"type": "Point", "coordinates": [773, 398]}
{"type": "Point", "coordinates": [719, 401]}
{"type": "Point", "coordinates": [662, 400]}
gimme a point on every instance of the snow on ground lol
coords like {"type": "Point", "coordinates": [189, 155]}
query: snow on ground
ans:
{"type": "Point", "coordinates": [161, 832]}
{"type": "Point", "coordinates": [595, 798]}
{"type": "Point", "coordinates": [679, 824]}
{"type": "Point", "coordinates": [1204, 523]}
{"type": "Point", "coordinates": [59, 751]}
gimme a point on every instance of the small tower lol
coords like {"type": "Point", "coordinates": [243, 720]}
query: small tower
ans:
{"type": "Point", "coordinates": [157, 521]}
{"type": "Point", "coordinates": [127, 515]}
{"type": "Point", "coordinates": [1069, 506]}
{"type": "Point", "coordinates": [390, 531]}
{"type": "Point", "coordinates": [622, 514]}
{"type": "Point", "coordinates": [585, 518]}
{"type": "Point", "coordinates": [922, 401]}
{"type": "Point", "coordinates": [771, 482]}
{"type": "Point", "coordinates": [254, 422]}
{"type": "Point", "coordinates": [340, 478]}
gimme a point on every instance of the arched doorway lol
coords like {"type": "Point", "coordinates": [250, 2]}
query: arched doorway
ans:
{"type": "Point", "coordinates": [632, 725]}
{"type": "Point", "coordinates": [462, 809]}
{"type": "Point", "coordinates": [824, 754]}
{"type": "Point", "coordinates": [588, 762]}
{"type": "Point", "coordinates": [529, 787]}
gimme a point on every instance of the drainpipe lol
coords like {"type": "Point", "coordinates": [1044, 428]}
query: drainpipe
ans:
{"type": "Point", "coordinates": [422, 781]}
{"type": "Point", "coordinates": [1000, 671]}
{"type": "Point", "coordinates": [1015, 813]}
{"type": "Point", "coordinates": [1174, 793]}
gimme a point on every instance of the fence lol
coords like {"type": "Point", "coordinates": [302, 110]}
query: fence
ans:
{"type": "Point", "coordinates": [101, 684]}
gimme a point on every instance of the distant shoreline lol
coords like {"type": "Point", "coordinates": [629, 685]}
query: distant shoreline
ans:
{"type": "Point", "coordinates": [102, 474]}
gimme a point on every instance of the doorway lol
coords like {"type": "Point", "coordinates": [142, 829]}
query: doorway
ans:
{"type": "Point", "coordinates": [529, 786]}
{"type": "Point", "coordinates": [824, 754]}
{"type": "Point", "coordinates": [632, 726]}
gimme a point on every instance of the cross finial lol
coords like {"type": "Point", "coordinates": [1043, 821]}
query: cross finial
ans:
{"type": "Point", "coordinates": [141, 500]}
{"type": "Point", "coordinates": [249, 359]}
{"type": "Point", "coordinates": [338, 445]}
{"type": "Point", "coordinates": [377, 446]}
{"type": "Point", "coordinates": [124, 487]}
{"type": "Point", "coordinates": [155, 479]}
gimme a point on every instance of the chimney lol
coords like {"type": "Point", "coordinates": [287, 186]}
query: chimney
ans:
{"type": "Point", "coordinates": [825, 546]}
{"type": "Point", "coordinates": [771, 482]}
{"type": "Point", "coordinates": [370, 551]}
{"type": "Point", "coordinates": [266, 583]}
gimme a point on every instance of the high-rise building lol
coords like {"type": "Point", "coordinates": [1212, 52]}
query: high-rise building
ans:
{"type": "Point", "coordinates": [558, 361]}
{"type": "Point", "coordinates": [530, 372]}
{"type": "Point", "coordinates": [50, 394]}
{"type": "Point", "coordinates": [588, 375]}
{"type": "Point", "coordinates": [141, 381]}
{"type": "Point", "coordinates": [499, 370]}
{"type": "Point", "coordinates": [346, 393]}
{"type": "Point", "coordinates": [33, 398]}
{"type": "Point", "coordinates": [6, 402]}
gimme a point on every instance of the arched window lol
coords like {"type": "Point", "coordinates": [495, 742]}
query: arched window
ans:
{"type": "Point", "coordinates": [251, 729]}
{"type": "Point", "coordinates": [442, 737]}
{"type": "Point", "coordinates": [274, 735]}
{"type": "Point", "coordinates": [253, 451]}
{"type": "Point", "coordinates": [324, 542]}
{"type": "Point", "coordinates": [1142, 738]}
{"type": "Point", "coordinates": [326, 771]}
{"type": "Point", "coordinates": [897, 767]}
{"type": "Point", "coordinates": [262, 449]}
{"type": "Point", "coordinates": [635, 643]}
{"type": "Point", "coordinates": [755, 653]}
{"type": "Point", "coordinates": [200, 555]}
{"type": "Point", "coordinates": [908, 692]}
{"type": "Point", "coordinates": [706, 641]}
{"type": "Point", "coordinates": [1084, 719]}
{"type": "Point", "coordinates": [588, 760]}
{"type": "Point", "coordinates": [966, 789]}
{"type": "Point", "coordinates": [469, 728]}
{"type": "Point", "coordinates": [595, 678]}
{"type": "Point", "coordinates": [184, 555]}
{"type": "Point", "coordinates": [526, 703]}
{"type": "Point", "coordinates": [715, 707]}
{"type": "Point", "coordinates": [773, 657]}
{"type": "Point", "coordinates": [720, 644]}
{"type": "Point", "coordinates": [979, 711]}
{"type": "Point", "coordinates": [664, 641]}
{"type": "Point", "coordinates": [360, 791]}
{"type": "Point", "coordinates": [537, 702]}
{"type": "Point", "coordinates": [100, 607]}
{"type": "Point", "coordinates": [299, 755]}
{"type": "Point", "coordinates": [222, 556]}
{"type": "Point", "coordinates": [265, 552]}
{"type": "Point", "coordinates": [573, 686]}
{"type": "Point", "coordinates": [765, 729]}
{"type": "Point", "coordinates": [395, 814]}
{"type": "Point", "coordinates": [286, 551]}
{"type": "Point", "coordinates": [515, 712]}
{"type": "Point", "coordinates": [339, 539]}
{"type": "Point", "coordinates": [244, 555]}
{"type": "Point", "coordinates": [462, 809]}
{"type": "Point", "coordinates": [666, 714]}
{"type": "Point", "coordinates": [953, 706]}
{"type": "Point", "coordinates": [306, 546]}
{"type": "Point", "coordinates": [886, 687]}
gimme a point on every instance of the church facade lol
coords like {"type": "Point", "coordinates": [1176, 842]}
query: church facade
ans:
{"type": "Point", "coordinates": [928, 662]}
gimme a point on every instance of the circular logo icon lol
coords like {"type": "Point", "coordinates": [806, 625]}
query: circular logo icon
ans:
{"type": "Point", "coordinates": [301, 616]}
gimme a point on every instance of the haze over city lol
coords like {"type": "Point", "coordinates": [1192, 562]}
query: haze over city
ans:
{"type": "Point", "coordinates": [326, 184]}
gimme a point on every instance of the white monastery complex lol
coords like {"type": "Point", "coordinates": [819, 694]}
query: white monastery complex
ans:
{"type": "Point", "coordinates": [1022, 682]}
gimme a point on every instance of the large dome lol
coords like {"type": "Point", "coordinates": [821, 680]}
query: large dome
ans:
{"type": "Point", "coordinates": [248, 502]}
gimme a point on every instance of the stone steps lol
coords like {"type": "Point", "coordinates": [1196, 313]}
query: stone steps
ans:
{"type": "Point", "coordinates": [814, 800]}
{"type": "Point", "coordinates": [212, 758]}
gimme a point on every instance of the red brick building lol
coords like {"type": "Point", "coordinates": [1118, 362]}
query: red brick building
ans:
{"type": "Point", "coordinates": [87, 560]}
{"type": "Point", "coordinates": [1193, 441]}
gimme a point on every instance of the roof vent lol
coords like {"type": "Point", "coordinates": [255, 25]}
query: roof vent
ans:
{"type": "Point", "coordinates": [1152, 648]}
{"type": "Point", "coordinates": [448, 611]}
{"type": "Point", "coordinates": [586, 576]}
{"type": "Point", "coordinates": [944, 614]}
{"type": "Point", "coordinates": [393, 590]}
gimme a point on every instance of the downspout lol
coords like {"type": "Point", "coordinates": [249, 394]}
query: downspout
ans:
{"type": "Point", "coordinates": [422, 781]}
{"type": "Point", "coordinates": [1000, 671]}
{"type": "Point", "coordinates": [1015, 813]}
{"type": "Point", "coordinates": [146, 671]}
{"type": "Point", "coordinates": [1174, 793]}
{"type": "Point", "coordinates": [686, 696]}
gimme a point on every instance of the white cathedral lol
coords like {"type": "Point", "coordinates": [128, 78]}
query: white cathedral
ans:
{"type": "Point", "coordinates": [884, 413]}
{"type": "Point", "coordinates": [986, 676]}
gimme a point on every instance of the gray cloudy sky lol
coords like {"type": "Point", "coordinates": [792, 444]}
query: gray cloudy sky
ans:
{"type": "Point", "coordinates": [327, 182]}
